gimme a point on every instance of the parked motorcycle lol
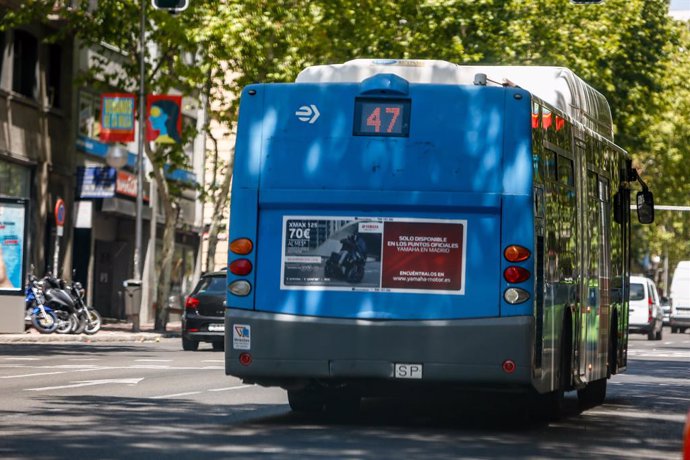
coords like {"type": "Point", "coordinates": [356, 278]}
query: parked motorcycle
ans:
{"type": "Point", "coordinates": [38, 314]}
{"type": "Point", "coordinates": [89, 319]}
{"type": "Point", "coordinates": [348, 264]}
{"type": "Point", "coordinates": [58, 298]}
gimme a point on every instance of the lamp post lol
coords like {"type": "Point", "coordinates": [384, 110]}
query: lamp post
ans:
{"type": "Point", "coordinates": [140, 146]}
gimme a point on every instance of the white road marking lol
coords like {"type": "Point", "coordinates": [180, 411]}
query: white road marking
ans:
{"type": "Point", "coordinates": [175, 395]}
{"type": "Point", "coordinates": [231, 388]}
{"type": "Point", "coordinates": [213, 361]}
{"type": "Point", "coordinates": [31, 375]}
{"type": "Point", "coordinates": [189, 393]}
{"type": "Point", "coordinates": [153, 360]}
{"type": "Point", "coordinates": [86, 383]}
{"type": "Point", "coordinates": [21, 359]}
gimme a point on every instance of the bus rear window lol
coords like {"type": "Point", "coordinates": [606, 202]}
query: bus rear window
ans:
{"type": "Point", "coordinates": [382, 117]}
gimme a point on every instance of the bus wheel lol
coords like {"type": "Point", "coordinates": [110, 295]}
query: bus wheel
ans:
{"type": "Point", "coordinates": [343, 405]}
{"type": "Point", "coordinates": [306, 401]}
{"type": "Point", "coordinates": [593, 394]}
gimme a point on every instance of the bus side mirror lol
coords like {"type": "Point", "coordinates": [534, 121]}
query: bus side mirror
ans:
{"type": "Point", "coordinates": [645, 207]}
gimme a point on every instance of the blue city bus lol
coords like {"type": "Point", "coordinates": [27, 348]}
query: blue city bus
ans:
{"type": "Point", "coordinates": [399, 224]}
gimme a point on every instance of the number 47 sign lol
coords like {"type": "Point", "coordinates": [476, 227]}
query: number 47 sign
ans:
{"type": "Point", "coordinates": [382, 117]}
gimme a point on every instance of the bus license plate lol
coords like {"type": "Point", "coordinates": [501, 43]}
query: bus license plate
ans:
{"type": "Point", "coordinates": [408, 371]}
{"type": "Point", "coordinates": [216, 327]}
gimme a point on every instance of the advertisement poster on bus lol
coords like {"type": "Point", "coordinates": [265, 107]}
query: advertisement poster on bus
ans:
{"type": "Point", "coordinates": [12, 244]}
{"type": "Point", "coordinates": [374, 254]}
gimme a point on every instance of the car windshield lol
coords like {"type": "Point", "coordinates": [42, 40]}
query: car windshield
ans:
{"type": "Point", "coordinates": [211, 285]}
{"type": "Point", "coordinates": [636, 291]}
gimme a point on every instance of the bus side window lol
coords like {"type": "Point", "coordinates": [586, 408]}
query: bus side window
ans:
{"type": "Point", "coordinates": [550, 165]}
{"type": "Point", "coordinates": [566, 174]}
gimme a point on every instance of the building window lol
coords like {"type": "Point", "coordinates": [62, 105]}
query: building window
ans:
{"type": "Point", "coordinates": [25, 60]}
{"type": "Point", "coordinates": [89, 115]}
{"type": "Point", "coordinates": [2, 54]}
{"type": "Point", "coordinates": [14, 180]}
{"type": "Point", "coordinates": [54, 75]}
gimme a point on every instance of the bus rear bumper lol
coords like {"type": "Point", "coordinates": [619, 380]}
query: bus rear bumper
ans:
{"type": "Point", "coordinates": [287, 350]}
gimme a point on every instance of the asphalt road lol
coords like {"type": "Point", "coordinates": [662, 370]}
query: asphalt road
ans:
{"type": "Point", "coordinates": [152, 400]}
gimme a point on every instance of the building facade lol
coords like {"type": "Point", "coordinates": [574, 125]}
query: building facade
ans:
{"type": "Point", "coordinates": [50, 153]}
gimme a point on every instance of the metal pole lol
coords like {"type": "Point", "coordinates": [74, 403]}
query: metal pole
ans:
{"type": "Point", "coordinates": [140, 147]}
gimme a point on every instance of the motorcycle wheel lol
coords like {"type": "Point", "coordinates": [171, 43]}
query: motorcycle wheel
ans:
{"type": "Point", "coordinates": [93, 322]}
{"type": "Point", "coordinates": [45, 323]}
{"type": "Point", "coordinates": [66, 322]}
{"type": "Point", "coordinates": [355, 274]}
{"type": "Point", "coordinates": [81, 323]}
{"type": "Point", "coordinates": [329, 271]}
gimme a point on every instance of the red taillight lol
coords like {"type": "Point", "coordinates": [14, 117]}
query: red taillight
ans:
{"type": "Point", "coordinates": [516, 274]}
{"type": "Point", "coordinates": [242, 246]}
{"type": "Point", "coordinates": [241, 267]}
{"type": "Point", "coordinates": [245, 359]}
{"type": "Point", "coordinates": [192, 303]}
{"type": "Point", "coordinates": [650, 308]}
{"type": "Point", "coordinates": [509, 366]}
{"type": "Point", "coordinates": [515, 253]}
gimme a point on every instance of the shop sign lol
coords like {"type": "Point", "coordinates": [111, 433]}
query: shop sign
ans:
{"type": "Point", "coordinates": [96, 182]}
{"type": "Point", "coordinates": [126, 184]}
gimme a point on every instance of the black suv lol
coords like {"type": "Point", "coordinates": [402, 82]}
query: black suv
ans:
{"type": "Point", "coordinates": [203, 319]}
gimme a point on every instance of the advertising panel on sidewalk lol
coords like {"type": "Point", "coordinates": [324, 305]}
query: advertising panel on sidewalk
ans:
{"type": "Point", "coordinates": [13, 215]}
{"type": "Point", "coordinates": [374, 254]}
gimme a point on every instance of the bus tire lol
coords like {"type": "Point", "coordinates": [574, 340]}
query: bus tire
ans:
{"type": "Point", "coordinates": [306, 401]}
{"type": "Point", "coordinates": [343, 405]}
{"type": "Point", "coordinates": [593, 394]}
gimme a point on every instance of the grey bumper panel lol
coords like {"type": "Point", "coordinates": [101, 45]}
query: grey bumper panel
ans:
{"type": "Point", "coordinates": [467, 351]}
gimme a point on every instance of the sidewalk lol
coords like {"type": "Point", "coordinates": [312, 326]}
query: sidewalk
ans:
{"type": "Point", "coordinates": [110, 332]}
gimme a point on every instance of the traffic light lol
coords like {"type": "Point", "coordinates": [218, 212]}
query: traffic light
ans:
{"type": "Point", "coordinates": [170, 5]}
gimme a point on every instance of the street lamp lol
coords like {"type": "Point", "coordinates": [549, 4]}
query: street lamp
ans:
{"type": "Point", "coordinates": [117, 156]}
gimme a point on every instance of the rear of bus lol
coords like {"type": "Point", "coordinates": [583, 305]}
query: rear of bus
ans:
{"type": "Point", "coordinates": [433, 181]}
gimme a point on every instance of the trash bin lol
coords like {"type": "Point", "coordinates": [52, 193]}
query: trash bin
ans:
{"type": "Point", "coordinates": [132, 297]}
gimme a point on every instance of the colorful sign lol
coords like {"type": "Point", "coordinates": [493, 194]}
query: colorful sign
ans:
{"type": "Point", "coordinates": [12, 245]}
{"type": "Point", "coordinates": [374, 254]}
{"type": "Point", "coordinates": [117, 117]}
{"type": "Point", "coordinates": [164, 119]}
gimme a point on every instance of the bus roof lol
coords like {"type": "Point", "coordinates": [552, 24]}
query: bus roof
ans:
{"type": "Point", "coordinates": [557, 86]}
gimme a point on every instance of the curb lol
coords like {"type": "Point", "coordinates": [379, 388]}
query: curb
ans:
{"type": "Point", "coordinates": [99, 337]}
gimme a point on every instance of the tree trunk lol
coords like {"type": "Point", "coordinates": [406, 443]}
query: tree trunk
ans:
{"type": "Point", "coordinates": [165, 266]}
{"type": "Point", "coordinates": [220, 203]}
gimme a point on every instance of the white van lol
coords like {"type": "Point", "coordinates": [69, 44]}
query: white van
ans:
{"type": "Point", "coordinates": [645, 314]}
{"type": "Point", "coordinates": [680, 298]}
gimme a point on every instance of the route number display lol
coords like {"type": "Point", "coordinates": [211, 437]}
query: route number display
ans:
{"type": "Point", "coordinates": [382, 117]}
